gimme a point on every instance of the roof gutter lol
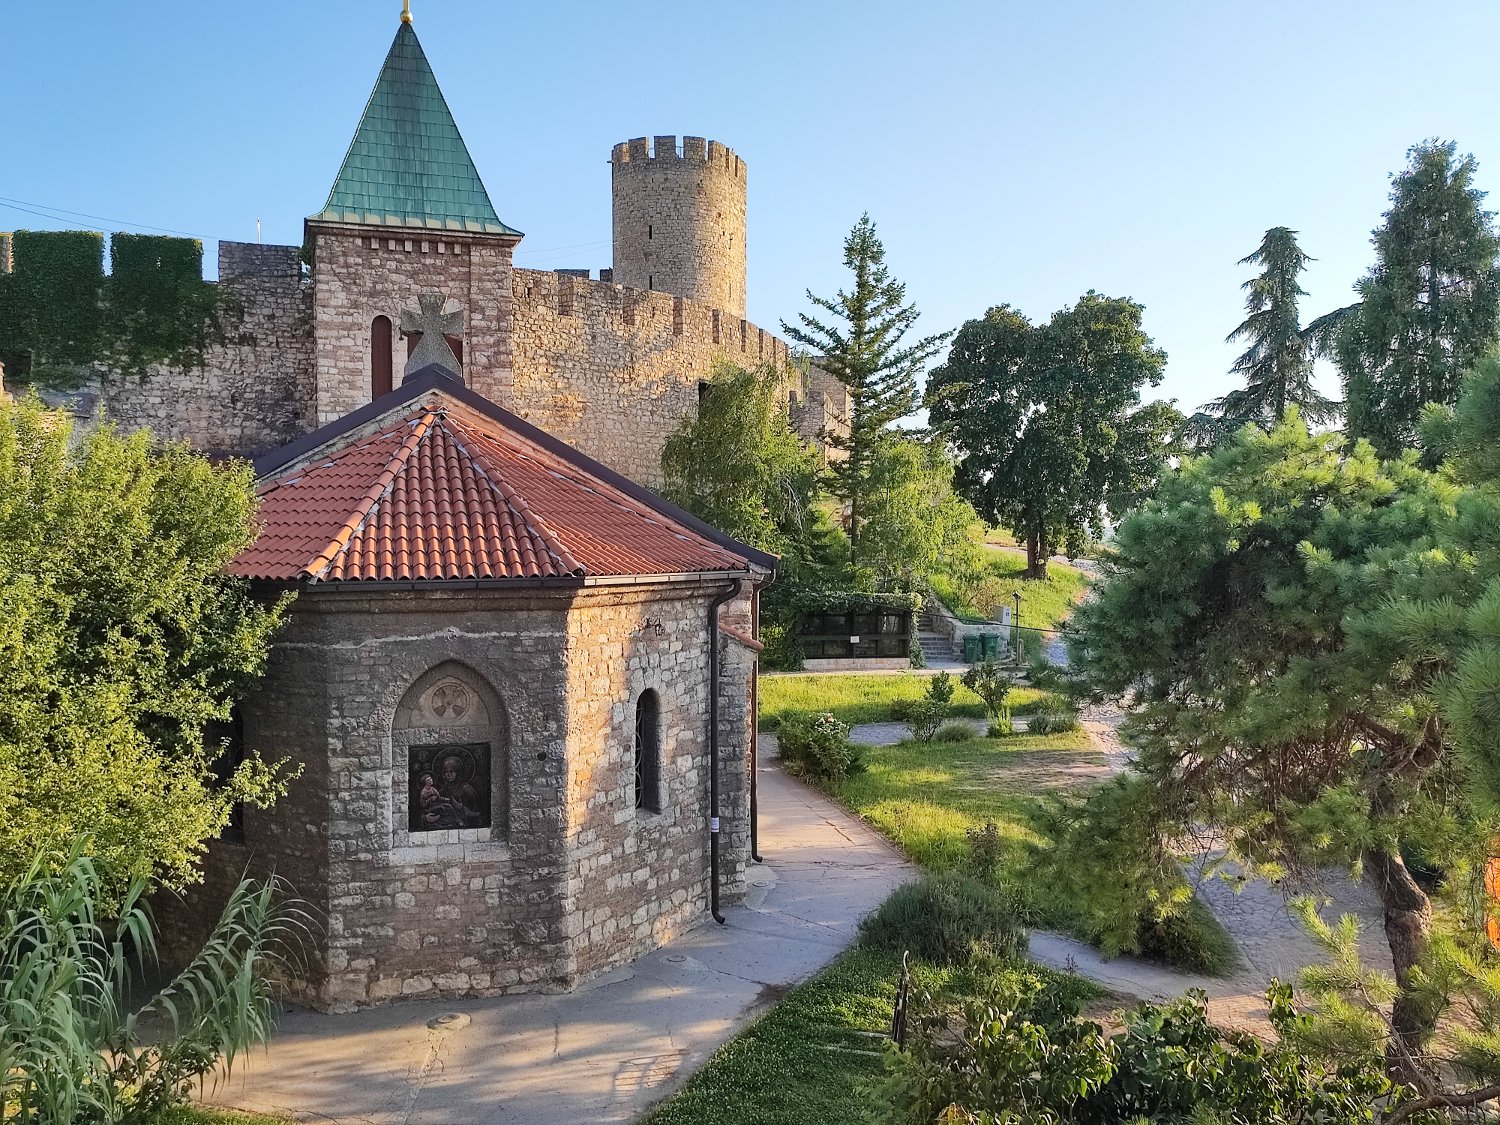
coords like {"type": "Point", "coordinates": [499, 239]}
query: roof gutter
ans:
{"type": "Point", "coordinates": [713, 745]}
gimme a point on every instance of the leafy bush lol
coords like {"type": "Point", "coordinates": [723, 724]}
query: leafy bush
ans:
{"type": "Point", "coordinates": [1188, 938]}
{"type": "Point", "coordinates": [72, 1050]}
{"type": "Point", "coordinates": [818, 747]}
{"type": "Point", "coordinates": [992, 683]}
{"type": "Point", "coordinates": [928, 715]}
{"type": "Point", "coordinates": [1021, 1054]}
{"type": "Point", "coordinates": [1000, 728]}
{"type": "Point", "coordinates": [1052, 722]}
{"type": "Point", "coordinates": [944, 917]}
{"type": "Point", "coordinates": [783, 651]}
{"type": "Point", "coordinates": [953, 732]}
{"type": "Point", "coordinates": [986, 848]}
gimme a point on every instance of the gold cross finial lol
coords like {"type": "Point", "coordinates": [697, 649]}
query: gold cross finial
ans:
{"type": "Point", "coordinates": [406, 11]}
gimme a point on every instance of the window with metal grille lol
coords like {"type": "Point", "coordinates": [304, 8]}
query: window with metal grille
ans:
{"type": "Point", "coordinates": [648, 752]}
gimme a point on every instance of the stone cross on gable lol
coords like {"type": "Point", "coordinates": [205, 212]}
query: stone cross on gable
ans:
{"type": "Point", "coordinates": [435, 326]}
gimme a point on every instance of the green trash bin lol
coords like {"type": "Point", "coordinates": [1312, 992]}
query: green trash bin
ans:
{"type": "Point", "coordinates": [991, 645]}
{"type": "Point", "coordinates": [972, 648]}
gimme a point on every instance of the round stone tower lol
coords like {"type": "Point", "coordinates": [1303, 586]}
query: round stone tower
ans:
{"type": "Point", "coordinates": [679, 219]}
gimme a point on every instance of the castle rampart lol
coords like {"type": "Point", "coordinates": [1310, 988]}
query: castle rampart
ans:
{"type": "Point", "coordinates": [613, 369]}
{"type": "Point", "coordinates": [254, 391]}
{"type": "Point", "coordinates": [679, 219]}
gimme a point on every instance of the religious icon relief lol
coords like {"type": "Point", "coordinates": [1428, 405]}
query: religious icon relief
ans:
{"type": "Point", "coordinates": [449, 785]}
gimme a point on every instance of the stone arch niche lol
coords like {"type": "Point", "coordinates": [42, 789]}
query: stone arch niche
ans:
{"type": "Point", "coordinates": [450, 761]}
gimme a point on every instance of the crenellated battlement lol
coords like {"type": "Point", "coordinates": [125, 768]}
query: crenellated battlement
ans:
{"type": "Point", "coordinates": [666, 151]}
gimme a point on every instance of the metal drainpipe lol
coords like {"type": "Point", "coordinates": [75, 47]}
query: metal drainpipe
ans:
{"type": "Point", "coordinates": [755, 726]}
{"type": "Point", "coordinates": [713, 746]}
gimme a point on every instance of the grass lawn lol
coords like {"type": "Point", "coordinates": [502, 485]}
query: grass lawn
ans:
{"type": "Point", "coordinates": [1044, 604]}
{"type": "Point", "coordinates": [801, 1062]}
{"type": "Point", "coordinates": [925, 797]}
{"type": "Point", "coordinates": [856, 698]}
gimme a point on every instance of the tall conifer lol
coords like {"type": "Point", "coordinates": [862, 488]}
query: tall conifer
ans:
{"type": "Point", "coordinates": [861, 343]}
{"type": "Point", "coordinates": [1429, 307]}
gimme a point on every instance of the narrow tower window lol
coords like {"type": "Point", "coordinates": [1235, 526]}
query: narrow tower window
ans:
{"type": "Point", "coordinates": [648, 753]}
{"type": "Point", "coordinates": [648, 231]}
{"type": "Point", "coordinates": [380, 356]}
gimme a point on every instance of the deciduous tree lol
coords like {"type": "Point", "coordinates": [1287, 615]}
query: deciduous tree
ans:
{"type": "Point", "coordinates": [120, 641]}
{"type": "Point", "coordinates": [1047, 419]}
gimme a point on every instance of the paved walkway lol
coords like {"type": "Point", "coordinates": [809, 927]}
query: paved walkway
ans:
{"type": "Point", "coordinates": [609, 1050]}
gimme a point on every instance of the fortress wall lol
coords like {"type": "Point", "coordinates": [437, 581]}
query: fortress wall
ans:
{"type": "Point", "coordinates": [254, 392]}
{"type": "Point", "coordinates": [612, 370]}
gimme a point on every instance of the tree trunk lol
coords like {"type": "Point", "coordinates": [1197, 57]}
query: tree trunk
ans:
{"type": "Point", "coordinates": [1408, 927]}
{"type": "Point", "coordinates": [1036, 558]}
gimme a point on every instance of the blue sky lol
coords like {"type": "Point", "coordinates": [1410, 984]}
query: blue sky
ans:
{"type": "Point", "coordinates": [1008, 152]}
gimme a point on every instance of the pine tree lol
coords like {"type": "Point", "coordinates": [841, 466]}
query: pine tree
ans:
{"type": "Point", "coordinates": [1277, 366]}
{"type": "Point", "coordinates": [861, 345]}
{"type": "Point", "coordinates": [1429, 307]}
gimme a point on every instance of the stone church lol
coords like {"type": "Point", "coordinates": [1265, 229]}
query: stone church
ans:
{"type": "Point", "coordinates": [518, 684]}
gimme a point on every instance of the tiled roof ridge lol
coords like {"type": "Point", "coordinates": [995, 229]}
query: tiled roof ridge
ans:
{"type": "Point", "coordinates": [320, 565]}
{"type": "Point", "coordinates": [615, 496]}
{"type": "Point", "coordinates": [513, 499]}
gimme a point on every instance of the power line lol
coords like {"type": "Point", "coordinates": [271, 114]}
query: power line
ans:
{"type": "Point", "coordinates": [26, 204]}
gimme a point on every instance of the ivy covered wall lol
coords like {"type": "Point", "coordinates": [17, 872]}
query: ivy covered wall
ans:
{"type": "Point", "coordinates": [60, 313]}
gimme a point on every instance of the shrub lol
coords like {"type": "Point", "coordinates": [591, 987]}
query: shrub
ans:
{"type": "Point", "coordinates": [1000, 728]}
{"type": "Point", "coordinates": [783, 651]}
{"type": "Point", "coordinates": [926, 717]}
{"type": "Point", "coordinates": [818, 747]}
{"type": "Point", "coordinates": [71, 1048]}
{"type": "Point", "coordinates": [953, 732]}
{"type": "Point", "coordinates": [1052, 722]}
{"type": "Point", "coordinates": [944, 917]}
{"type": "Point", "coordinates": [986, 848]}
{"type": "Point", "coordinates": [1189, 938]}
{"type": "Point", "coordinates": [992, 683]}
{"type": "Point", "coordinates": [1020, 1053]}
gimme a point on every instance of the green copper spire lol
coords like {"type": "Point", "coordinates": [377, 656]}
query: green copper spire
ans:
{"type": "Point", "coordinates": [408, 166]}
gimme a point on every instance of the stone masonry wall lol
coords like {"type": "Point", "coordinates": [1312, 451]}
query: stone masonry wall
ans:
{"type": "Point", "coordinates": [642, 877]}
{"type": "Point", "coordinates": [569, 879]}
{"type": "Point", "coordinates": [254, 391]}
{"type": "Point", "coordinates": [365, 272]}
{"type": "Point", "coordinates": [679, 219]}
{"type": "Point", "coordinates": [613, 370]}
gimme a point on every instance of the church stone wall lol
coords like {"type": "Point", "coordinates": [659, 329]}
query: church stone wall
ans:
{"type": "Point", "coordinates": [613, 370]}
{"type": "Point", "coordinates": [570, 879]}
{"type": "Point", "coordinates": [641, 877]}
{"type": "Point", "coordinates": [365, 272]}
{"type": "Point", "coordinates": [254, 391]}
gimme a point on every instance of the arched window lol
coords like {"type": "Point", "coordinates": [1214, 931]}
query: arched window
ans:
{"type": "Point", "coordinates": [648, 753]}
{"type": "Point", "coordinates": [380, 356]}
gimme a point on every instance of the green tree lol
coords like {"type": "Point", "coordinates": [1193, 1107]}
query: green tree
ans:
{"type": "Point", "coordinates": [1428, 309]}
{"type": "Point", "coordinates": [1280, 619]}
{"type": "Point", "coordinates": [915, 524]}
{"type": "Point", "coordinates": [1048, 423]}
{"type": "Point", "coordinates": [1277, 364]}
{"type": "Point", "coordinates": [120, 641]}
{"type": "Point", "coordinates": [741, 467]}
{"type": "Point", "coordinates": [861, 342]}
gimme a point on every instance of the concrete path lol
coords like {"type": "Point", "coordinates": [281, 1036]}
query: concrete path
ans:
{"type": "Point", "coordinates": [609, 1050]}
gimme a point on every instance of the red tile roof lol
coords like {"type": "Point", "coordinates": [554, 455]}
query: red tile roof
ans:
{"type": "Point", "coordinates": [440, 490]}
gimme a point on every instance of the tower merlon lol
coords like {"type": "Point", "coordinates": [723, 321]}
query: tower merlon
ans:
{"type": "Point", "coordinates": [664, 149]}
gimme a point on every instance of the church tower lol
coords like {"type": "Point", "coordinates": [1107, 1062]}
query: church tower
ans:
{"type": "Point", "coordinates": [408, 214]}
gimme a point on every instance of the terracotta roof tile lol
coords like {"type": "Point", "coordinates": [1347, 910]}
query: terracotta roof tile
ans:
{"type": "Point", "coordinates": [447, 492]}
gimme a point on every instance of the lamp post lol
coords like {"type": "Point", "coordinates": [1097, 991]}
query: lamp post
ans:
{"type": "Point", "coordinates": [1015, 624]}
